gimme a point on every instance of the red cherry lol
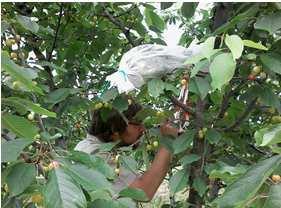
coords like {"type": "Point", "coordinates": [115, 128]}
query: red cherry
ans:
{"type": "Point", "coordinates": [251, 77]}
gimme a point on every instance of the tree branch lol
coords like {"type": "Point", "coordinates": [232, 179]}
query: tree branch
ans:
{"type": "Point", "coordinates": [119, 24]}
{"type": "Point", "coordinates": [176, 102]}
{"type": "Point", "coordinates": [225, 101]}
{"type": "Point", "coordinates": [127, 11]}
{"type": "Point", "coordinates": [40, 56]}
{"type": "Point", "coordinates": [239, 121]}
{"type": "Point", "coordinates": [49, 55]}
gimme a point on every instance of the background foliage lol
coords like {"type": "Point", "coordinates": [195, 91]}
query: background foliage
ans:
{"type": "Point", "coordinates": [55, 57]}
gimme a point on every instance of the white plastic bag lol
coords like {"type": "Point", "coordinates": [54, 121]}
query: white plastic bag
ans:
{"type": "Point", "coordinates": [148, 61]}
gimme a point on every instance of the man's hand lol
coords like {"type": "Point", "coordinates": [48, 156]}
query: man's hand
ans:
{"type": "Point", "coordinates": [167, 129]}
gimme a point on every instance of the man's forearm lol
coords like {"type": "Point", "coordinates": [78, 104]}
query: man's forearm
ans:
{"type": "Point", "coordinates": [153, 177]}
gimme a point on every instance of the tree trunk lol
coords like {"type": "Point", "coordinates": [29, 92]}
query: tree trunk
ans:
{"type": "Point", "coordinates": [222, 13]}
{"type": "Point", "coordinates": [198, 148]}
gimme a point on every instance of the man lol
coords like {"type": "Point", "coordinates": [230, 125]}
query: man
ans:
{"type": "Point", "coordinates": [127, 131]}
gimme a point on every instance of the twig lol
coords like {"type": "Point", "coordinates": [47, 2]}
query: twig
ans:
{"type": "Point", "coordinates": [225, 101]}
{"type": "Point", "coordinates": [121, 26]}
{"type": "Point", "coordinates": [253, 199]}
{"type": "Point", "coordinates": [49, 56]}
{"type": "Point", "coordinates": [41, 124]}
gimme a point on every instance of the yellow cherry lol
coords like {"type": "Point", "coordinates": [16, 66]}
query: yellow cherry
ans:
{"type": "Point", "coordinates": [130, 101]}
{"type": "Point", "coordinates": [276, 178]}
{"type": "Point", "coordinates": [31, 116]}
{"type": "Point", "coordinates": [117, 171]}
{"type": "Point", "coordinates": [149, 147]}
{"type": "Point", "coordinates": [14, 55]}
{"type": "Point", "coordinates": [155, 144]}
{"type": "Point", "coordinates": [183, 82]}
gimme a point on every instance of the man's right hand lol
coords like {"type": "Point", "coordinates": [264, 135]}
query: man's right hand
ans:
{"type": "Point", "coordinates": [167, 129]}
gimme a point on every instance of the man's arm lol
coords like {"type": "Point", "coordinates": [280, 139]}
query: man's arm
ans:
{"type": "Point", "coordinates": [153, 177]}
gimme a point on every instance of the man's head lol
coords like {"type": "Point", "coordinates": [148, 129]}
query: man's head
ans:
{"type": "Point", "coordinates": [115, 127]}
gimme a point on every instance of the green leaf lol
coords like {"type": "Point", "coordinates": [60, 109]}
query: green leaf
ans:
{"type": "Point", "coordinates": [155, 87]}
{"type": "Point", "coordinates": [170, 87]}
{"type": "Point", "coordinates": [120, 103]}
{"type": "Point", "coordinates": [20, 177]}
{"type": "Point", "coordinates": [134, 193]}
{"type": "Point", "coordinates": [53, 66]}
{"type": "Point", "coordinates": [110, 94]}
{"type": "Point", "coordinates": [103, 203]}
{"type": "Point", "coordinates": [61, 191]}
{"type": "Point", "coordinates": [272, 61]}
{"type": "Point", "coordinates": [126, 203]}
{"type": "Point", "coordinates": [188, 9]}
{"type": "Point", "coordinates": [90, 179]}
{"type": "Point", "coordinates": [94, 162]}
{"type": "Point", "coordinates": [194, 59]}
{"type": "Point", "coordinates": [251, 56]}
{"type": "Point", "coordinates": [47, 137]}
{"type": "Point", "coordinates": [270, 23]}
{"type": "Point", "coordinates": [269, 98]}
{"type": "Point", "coordinates": [129, 163]}
{"type": "Point", "coordinates": [200, 186]}
{"type": "Point", "coordinates": [178, 181]}
{"type": "Point", "coordinates": [268, 135]}
{"type": "Point", "coordinates": [18, 107]}
{"type": "Point", "coordinates": [203, 86]}
{"type": "Point", "coordinates": [250, 183]}
{"type": "Point", "coordinates": [107, 147]}
{"type": "Point", "coordinates": [105, 113]}
{"type": "Point", "coordinates": [165, 5]}
{"type": "Point", "coordinates": [19, 125]}
{"type": "Point", "coordinates": [27, 23]}
{"type": "Point", "coordinates": [4, 26]}
{"type": "Point", "coordinates": [235, 44]}
{"type": "Point", "coordinates": [188, 159]}
{"type": "Point", "coordinates": [208, 47]}
{"type": "Point", "coordinates": [18, 73]}
{"type": "Point", "coordinates": [222, 70]}
{"type": "Point", "coordinates": [252, 44]}
{"type": "Point", "coordinates": [274, 197]}
{"type": "Point", "coordinates": [226, 172]}
{"type": "Point", "coordinates": [183, 142]}
{"type": "Point", "coordinates": [275, 149]}
{"type": "Point", "coordinates": [10, 150]}
{"type": "Point", "coordinates": [29, 106]}
{"type": "Point", "coordinates": [144, 113]}
{"type": "Point", "coordinates": [213, 136]}
{"type": "Point", "coordinates": [58, 95]}
{"type": "Point", "coordinates": [100, 194]}
{"type": "Point", "coordinates": [152, 19]}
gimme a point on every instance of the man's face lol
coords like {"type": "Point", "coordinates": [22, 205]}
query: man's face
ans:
{"type": "Point", "coordinates": [132, 133]}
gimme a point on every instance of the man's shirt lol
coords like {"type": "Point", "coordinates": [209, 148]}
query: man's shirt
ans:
{"type": "Point", "coordinates": [91, 145]}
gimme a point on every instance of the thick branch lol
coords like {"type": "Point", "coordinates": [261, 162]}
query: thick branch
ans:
{"type": "Point", "coordinates": [120, 25]}
{"type": "Point", "coordinates": [239, 121]}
